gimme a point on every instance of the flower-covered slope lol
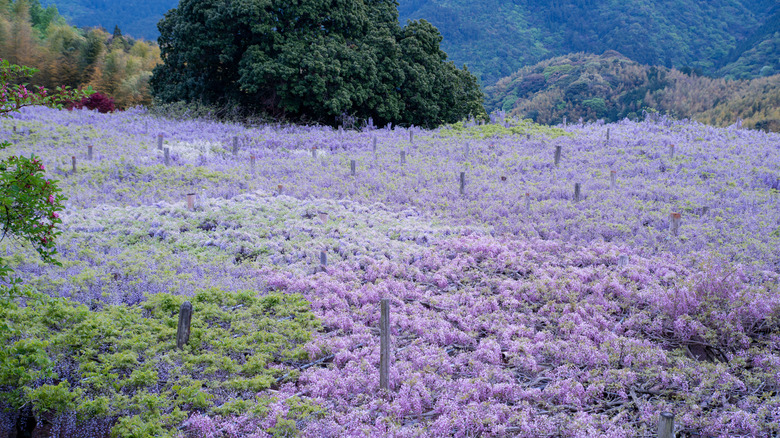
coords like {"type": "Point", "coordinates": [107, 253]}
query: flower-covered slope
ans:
{"type": "Point", "coordinates": [569, 319]}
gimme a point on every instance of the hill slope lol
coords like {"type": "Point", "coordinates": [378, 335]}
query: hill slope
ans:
{"type": "Point", "coordinates": [497, 37]}
{"type": "Point", "coordinates": [613, 87]}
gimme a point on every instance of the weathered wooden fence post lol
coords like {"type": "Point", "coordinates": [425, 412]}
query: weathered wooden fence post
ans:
{"type": "Point", "coordinates": [167, 152]}
{"type": "Point", "coordinates": [279, 188]}
{"type": "Point", "coordinates": [403, 157]}
{"type": "Point", "coordinates": [374, 147]}
{"type": "Point", "coordinates": [576, 192]}
{"type": "Point", "coordinates": [190, 201]}
{"type": "Point", "coordinates": [352, 167]}
{"type": "Point", "coordinates": [411, 135]}
{"type": "Point", "coordinates": [676, 219]}
{"type": "Point", "coordinates": [314, 152]}
{"type": "Point", "coordinates": [183, 331]}
{"type": "Point", "coordinates": [623, 260]}
{"type": "Point", "coordinates": [666, 425]}
{"type": "Point", "coordinates": [606, 142]}
{"type": "Point", "coordinates": [564, 121]}
{"type": "Point", "coordinates": [323, 259]}
{"type": "Point", "coordinates": [671, 151]}
{"type": "Point", "coordinates": [73, 161]}
{"type": "Point", "coordinates": [235, 145]}
{"type": "Point", "coordinates": [323, 217]}
{"type": "Point", "coordinates": [528, 202]}
{"type": "Point", "coordinates": [159, 141]}
{"type": "Point", "coordinates": [89, 152]}
{"type": "Point", "coordinates": [612, 179]}
{"type": "Point", "coordinates": [463, 183]}
{"type": "Point", "coordinates": [384, 347]}
{"type": "Point", "coordinates": [252, 163]}
{"type": "Point", "coordinates": [557, 155]}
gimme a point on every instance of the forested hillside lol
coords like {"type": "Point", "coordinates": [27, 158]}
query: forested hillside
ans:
{"type": "Point", "coordinates": [500, 36]}
{"type": "Point", "coordinates": [495, 38]}
{"type": "Point", "coordinates": [613, 87]}
{"type": "Point", "coordinates": [111, 63]}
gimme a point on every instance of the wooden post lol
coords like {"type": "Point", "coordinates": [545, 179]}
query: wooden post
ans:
{"type": "Point", "coordinates": [557, 155]}
{"type": "Point", "coordinates": [323, 259]}
{"type": "Point", "coordinates": [167, 156]}
{"type": "Point", "coordinates": [666, 425]}
{"type": "Point", "coordinates": [352, 167]}
{"type": "Point", "coordinates": [607, 137]}
{"type": "Point", "coordinates": [564, 121]}
{"type": "Point", "coordinates": [235, 145]}
{"type": "Point", "coordinates": [323, 217]}
{"type": "Point", "coordinates": [190, 201]}
{"type": "Point", "coordinates": [411, 136]}
{"type": "Point", "coordinates": [73, 160]}
{"type": "Point", "coordinates": [279, 188]}
{"type": "Point", "coordinates": [14, 129]}
{"type": "Point", "coordinates": [384, 345]}
{"type": "Point", "coordinates": [159, 141]}
{"type": "Point", "coordinates": [314, 152]}
{"type": "Point", "coordinates": [623, 260]}
{"type": "Point", "coordinates": [252, 163]}
{"type": "Point", "coordinates": [466, 151]}
{"type": "Point", "coordinates": [671, 151]}
{"type": "Point", "coordinates": [576, 192]}
{"type": "Point", "coordinates": [183, 331]}
{"type": "Point", "coordinates": [463, 183]}
{"type": "Point", "coordinates": [675, 223]}
{"type": "Point", "coordinates": [89, 152]}
{"type": "Point", "coordinates": [403, 157]}
{"type": "Point", "coordinates": [374, 147]}
{"type": "Point", "coordinates": [528, 201]}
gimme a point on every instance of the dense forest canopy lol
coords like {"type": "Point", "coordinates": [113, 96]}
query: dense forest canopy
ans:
{"type": "Point", "coordinates": [111, 63]}
{"type": "Point", "coordinates": [494, 38]}
{"type": "Point", "coordinates": [315, 60]}
{"type": "Point", "coordinates": [613, 87]}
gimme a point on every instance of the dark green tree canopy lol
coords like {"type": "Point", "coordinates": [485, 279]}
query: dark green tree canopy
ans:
{"type": "Point", "coordinates": [311, 60]}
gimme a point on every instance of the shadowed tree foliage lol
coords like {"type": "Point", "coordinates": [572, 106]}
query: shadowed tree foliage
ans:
{"type": "Point", "coordinates": [311, 60]}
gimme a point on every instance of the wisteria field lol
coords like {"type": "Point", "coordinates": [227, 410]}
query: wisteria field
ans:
{"type": "Point", "coordinates": [517, 308]}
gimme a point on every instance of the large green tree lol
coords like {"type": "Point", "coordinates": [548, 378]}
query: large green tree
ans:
{"type": "Point", "coordinates": [311, 60]}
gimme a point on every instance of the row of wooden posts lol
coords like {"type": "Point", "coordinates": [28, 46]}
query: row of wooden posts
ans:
{"type": "Point", "coordinates": [665, 422]}
{"type": "Point", "coordinates": [675, 217]}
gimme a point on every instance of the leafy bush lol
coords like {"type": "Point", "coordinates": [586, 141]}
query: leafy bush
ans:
{"type": "Point", "coordinates": [122, 361]}
{"type": "Point", "coordinates": [97, 101]}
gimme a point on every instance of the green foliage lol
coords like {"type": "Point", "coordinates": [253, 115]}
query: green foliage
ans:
{"type": "Point", "coordinates": [510, 127]}
{"type": "Point", "coordinates": [118, 66]}
{"type": "Point", "coordinates": [326, 60]}
{"type": "Point", "coordinates": [127, 365]}
{"type": "Point", "coordinates": [497, 38]}
{"type": "Point", "coordinates": [612, 87]}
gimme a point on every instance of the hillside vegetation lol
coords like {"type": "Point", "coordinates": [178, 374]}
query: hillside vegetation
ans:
{"type": "Point", "coordinates": [720, 37]}
{"type": "Point", "coordinates": [111, 63]}
{"type": "Point", "coordinates": [500, 36]}
{"type": "Point", "coordinates": [613, 87]}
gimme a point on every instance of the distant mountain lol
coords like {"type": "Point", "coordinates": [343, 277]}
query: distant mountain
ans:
{"type": "Point", "coordinates": [495, 38]}
{"type": "Point", "coordinates": [137, 18]}
{"type": "Point", "coordinates": [613, 87]}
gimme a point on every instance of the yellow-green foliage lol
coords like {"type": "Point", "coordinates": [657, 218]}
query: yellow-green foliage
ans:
{"type": "Point", "coordinates": [514, 127]}
{"type": "Point", "coordinates": [126, 363]}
